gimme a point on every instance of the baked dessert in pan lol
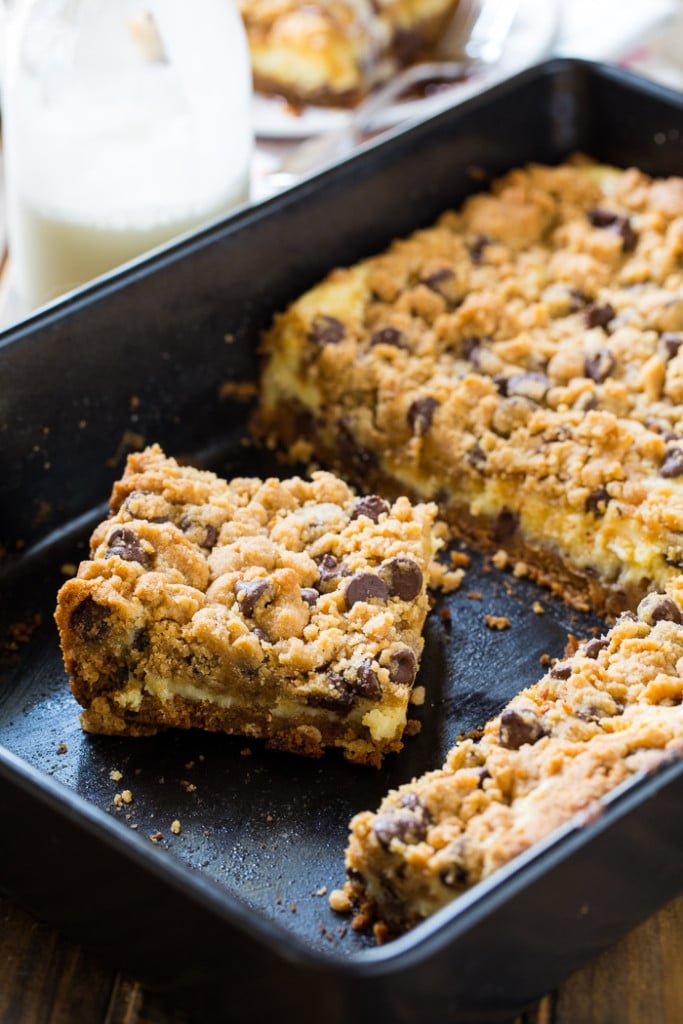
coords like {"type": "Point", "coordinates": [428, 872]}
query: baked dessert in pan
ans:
{"type": "Point", "coordinates": [286, 610]}
{"type": "Point", "coordinates": [595, 720]}
{"type": "Point", "coordinates": [520, 362]}
{"type": "Point", "coordinates": [332, 53]}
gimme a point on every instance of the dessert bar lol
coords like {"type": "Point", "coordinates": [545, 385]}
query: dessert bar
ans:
{"type": "Point", "coordinates": [599, 717]}
{"type": "Point", "coordinates": [289, 610]}
{"type": "Point", "coordinates": [520, 362]}
{"type": "Point", "coordinates": [332, 54]}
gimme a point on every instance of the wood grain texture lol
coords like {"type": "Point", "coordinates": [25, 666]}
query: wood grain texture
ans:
{"type": "Point", "coordinates": [47, 979]}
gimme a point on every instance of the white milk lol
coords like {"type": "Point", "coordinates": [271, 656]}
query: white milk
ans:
{"type": "Point", "coordinates": [119, 137]}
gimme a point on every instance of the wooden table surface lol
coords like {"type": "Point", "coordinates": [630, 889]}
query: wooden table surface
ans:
{"type": "Point", "coordinates": [47, 979]}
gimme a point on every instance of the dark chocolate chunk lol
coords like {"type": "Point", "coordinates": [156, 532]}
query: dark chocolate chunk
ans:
{"type": "Point", "coordinates": [125, 543]}
{"type": "Point", "coordinates": [672, 465]}
{"type": "Point", "coordinates": [505, 526]}
{"type": "Point", "coordinates": [577, 300]}
{"type": "Point", "coordinates": [367, 682]}
{"type": "Point", "coordinates": [658, 607]}
{"type": "Point", "coordinates": [364, 586]}
{"type": "Point", "coordinates": [600, 365]}
{"type": "Point", "coordinates": [438, 278]}
{"type": "Point", "coordinates": [421, 413]}
{"type": "Point", "coordinates": [409, 822]}
{"type": "Point", "coordinates": [623, 226]}
{"type": "Point", "coordinates": [261, 635]}
{"type": "Point", "coordinates": [389, 336]}
{"type": "Point", "coordinates": [518, 727]}
{"type": "Point", "coordinates": [135, 514]}
{"type": "Point", "coordinates": [403, 577]}
{"type": "Point", "coordinates": [371, 506]}
{"type": "Point", "coordinates": [339, 696]}
{"type": "Point", "coordinates": [403, 667]}
{"type": "Point", "coordinates": [327, 330]}
{"type": "Point", "coordinates": [671, 341]}
{"type": "Point", "coordinates": [211, 536]}
{"type": "Point", "coordinates": [90, 620]}
{"type": "Point", "coordinates": [330, 569]}
{"type": "Point", "coordinates": [362, 459]}
{"type": "Point", "coordinates": [600, 218]}
{"type": "Point", "coordinates": [477, 246]}
{"type": "Point", "coordinates": [597, 315]}
{"type": "Point", "coordinates": [592, 648]}
{"type": "Point", "coordinates": [561, 671]}
{"type": "Point", "coordinates": [597, 501]}
{"type": "Point", "coordinates": [476, 456]}
{"type": "Point", "coordinates": [310, 595]}
{"type": "Point", "coordinates": [250, 592]}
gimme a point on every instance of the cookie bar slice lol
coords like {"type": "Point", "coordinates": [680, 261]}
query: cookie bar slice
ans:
{"type": "Point", "coordinates": [521, 362]}
{"type": "Point", "coordinates": [290, 610]}
{"type": "Point", "coordinates": [333, 53]}
{"type": "Point", "coordinates": [595, 720]}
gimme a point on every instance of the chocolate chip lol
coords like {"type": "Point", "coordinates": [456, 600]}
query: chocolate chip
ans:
{"type": "Point", "coordinates": [600, 218]}
{"type": "Point", "coordinates": [361, 459]}
{"type": "Point", "coordinates": [600, 365]}
{"type": "Point", "coordinates": [510, 414]}
{"type": "Point", "coordinates": [188, 523]}
{"type": "Point", "coordinates": [403, 667]}
{"type": "Point", "coordinates": [135, 513]}
{"type": "Point", "coordinates": [403, 577]}
{"type": "Point", "coordinates": [532, 385]}
{"type": "Point", "coordinates": [126, 544]}
{"type": "Point", "coordinates": [577, 300]}
{"type": "Point", "coordinates": [477, 246]}
{"type": "Point", "coordinates": [339, 696]}
{"type": "Point", "coordinates": [90, 620]}
{"type": "Point", "coordinates": [672, 465]}
{"type": "Point", "coordinates": [364, 586]}
{"type": "Point", "coordinates": [327, 330]}
{"type": "Point", "coordinates": [597, 501]}
{"type": "Point", "coordinates": [658, 607]}
{"type": "Point", "coordinates": [409, 822]}
{"type": "Point", "coordinates": [623, 227]}
{"type": "Point", "coordinates": [439, 277]}
{"type": "Point", "coordinates": [330, 569]}
{"type": "Point", "coordinates": [310, 595]}
{"type": "Point", "coordinates": [671, 341]}
{"type": "Point", "coordinates": [367, 683]}
{"type": "Point", "coordinates": [454, 876]}
{"type": "Point", "coordinates": [371, 506]}
{"type": "Point", "coordinates": [561, 671]}
{"type": "Point", "coordinates": [261, 635]}
{"type": "Point", "coordinates": [421, 413]}
{"type": "Point", "coordinates": [476, 456]}
{"type": "Point", "coordinates": [211, 536]}
{"type": "Point", "coordinates": [592, 648]}
{"type": "Point", "coordinates": [250, 592]}
{"type": "Point", "coordinates": [505, 526]}
{"type": "Point", "coordinates": [389, 336]}
{"type": "Point", "coordinates": [597, 315]}
{"type": "Point", "coordinates": [518, 727]}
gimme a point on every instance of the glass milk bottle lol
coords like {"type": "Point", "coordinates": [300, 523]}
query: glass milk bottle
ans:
{"type": "Point", "coordinates": [125, 123]}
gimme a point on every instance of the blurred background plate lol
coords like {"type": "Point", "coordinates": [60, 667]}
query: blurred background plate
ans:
{"type": "Point", "coordinates": [531, 40]}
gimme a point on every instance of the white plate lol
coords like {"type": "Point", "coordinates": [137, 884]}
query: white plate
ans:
{"type": "Point", "coordinates": [530, 40]}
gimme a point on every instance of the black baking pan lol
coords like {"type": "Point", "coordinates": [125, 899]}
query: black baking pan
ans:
{"type": "Point", "coordinates": [229, 916]}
